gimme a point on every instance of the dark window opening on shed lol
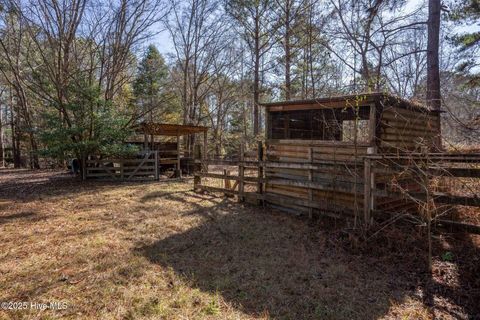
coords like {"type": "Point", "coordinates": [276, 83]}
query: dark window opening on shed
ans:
{"type": "Point", "coordinates": [322, 124]}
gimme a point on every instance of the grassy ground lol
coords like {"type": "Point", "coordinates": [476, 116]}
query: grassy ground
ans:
{"type": "Point", "coordinates": [160, 251]}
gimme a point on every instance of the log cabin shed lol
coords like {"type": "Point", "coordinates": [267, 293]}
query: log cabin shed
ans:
{"type": "Point", "coordinates": [316, 149]}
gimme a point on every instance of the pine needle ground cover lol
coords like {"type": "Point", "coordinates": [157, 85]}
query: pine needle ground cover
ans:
{"type": "Point", "coordinates": [156, 250]}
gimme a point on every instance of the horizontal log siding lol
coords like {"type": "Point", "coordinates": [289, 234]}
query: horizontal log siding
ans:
{"type": "Point", "coordinates": [403, 130]}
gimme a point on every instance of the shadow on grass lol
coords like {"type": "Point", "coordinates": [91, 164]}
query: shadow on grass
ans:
{"type": "Point", "coordinates": [269, 264]}
{"type": "Point", "coordinates": [28, 185]}
{"type": "Point", "coordinates": [455, 282]}
{"type": "Point", "coordinates": [15, 217]}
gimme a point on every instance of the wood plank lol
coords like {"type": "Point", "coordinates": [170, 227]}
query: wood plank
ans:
{"type": "Point", "coordinates": [339, 196]}
{"type": "Point", "coordinates": [315, 185]}
{"type": "Point", "coordinates": [118, 175]}
{"type": "Point", "coordinates": [216, 189]}
{"type": "Point", "coordinates": [408, 132]}
{"type": "Point", "coordinates": [229, 177]}
{"type": "Point", "coordinates": [343, 149]}
{"type": "Point", "coordinates": [414, 118]}
{"type": "Point", "coordinates": [412, 113]}
{"type": "Point", "coordinates": [437, 197]}
{"type": "Point", "coordinates": [327, 209]}
{"type": "Point", "coordinates": [119, 161]}
{"type": "Point", "coordinates": [314, 143]}
{"type": "Point", "coordinates": [282, 190]}
{"type": "Point", "coordinates": [446, 157]}
{"type": "Point", "coordinates": [388, 123]}
{"type": "Point", "coordinates": [318, 165]}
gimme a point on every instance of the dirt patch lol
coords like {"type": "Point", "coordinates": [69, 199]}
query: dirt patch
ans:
{"type": "Point", "coordinates": [159, 251]}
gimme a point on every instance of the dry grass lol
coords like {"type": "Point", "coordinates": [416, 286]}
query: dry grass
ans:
{"type": "Point", "coordinates": [160, 251]}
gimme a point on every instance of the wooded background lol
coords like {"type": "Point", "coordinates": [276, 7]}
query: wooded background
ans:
{"type": "Point", "coordinates": [76, 75]}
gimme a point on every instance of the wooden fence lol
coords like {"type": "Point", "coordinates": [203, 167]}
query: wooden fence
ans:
{"type": "Point", "coordinates": [146, 167]}
{"type": "Point", "coordinates": [237, 177]}
{"type": "Point", "coordinates": [387, 183]}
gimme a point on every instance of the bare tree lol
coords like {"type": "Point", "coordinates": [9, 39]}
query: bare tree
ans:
{"type": "Point", "coordinates": [225, 94]}
{"type": "Point", "coordinates": [2, 143]}
{"type": "Point", "coordinates": [12, 43]}
{"type": "Point", "coordinates": [368, 28]}
{"type": "Point", "coordinates": [405, 76]}
{"type": "Point", "coordinates": [126, 26]}
{"type": "Point", "coordinates": [289, 32]}
{"type": "Point", "coordinates": [53, 28]}
{"type": "Point", "coordinates": [198, 37]}
{"type": "Point", "coordinates": [258, 27]}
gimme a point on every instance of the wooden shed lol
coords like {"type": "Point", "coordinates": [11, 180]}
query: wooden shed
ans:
{"type": "Point", "coordinates": [316, 150]}
{"type": "Point", "coordinates": [160, 147]}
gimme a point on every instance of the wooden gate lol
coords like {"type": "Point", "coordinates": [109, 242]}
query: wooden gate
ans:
{"type": "Point", "coordinates": [124, 169]}
{"type": "Point", "coordinates": [242, 177]}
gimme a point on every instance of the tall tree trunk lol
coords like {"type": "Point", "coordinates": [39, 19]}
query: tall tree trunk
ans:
{"type": "Point", "coordinates": [34, 161]}
{"type": "Point", "coordinates": [17, 161]}
{"type": "Point", "coordinates": [25, 110]}
{"type": "Point", "coordinates": [433, 64]}
{"type": "Point", "coordinates": [2, 148]}
{"type": "Point", "coordinates": [310, 52]}
{"type": "Point", "coordinates": [256, 80]}
{"type": "Point", "coordinates": [15, 139]}
{"type": "Point", "coordinates": [256, 96]}
{"type": "Point", "coordinates": [288, 57]}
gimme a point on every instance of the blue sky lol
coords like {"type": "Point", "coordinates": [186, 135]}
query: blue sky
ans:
{"type": "Point", "coordinates": [164, 44]}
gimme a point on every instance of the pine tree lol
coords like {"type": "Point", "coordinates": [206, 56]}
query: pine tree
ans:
{"type": "Point", "coordinates": [467, 12]}
{"type": "Point", "coordinates": [150, 84]}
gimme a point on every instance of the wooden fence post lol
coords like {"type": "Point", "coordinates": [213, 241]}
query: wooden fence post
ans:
{"type": "Point", "coordinates": [227, 182]}
{"type": "Point", "coordinates": [241, 173]}
{"type": "Point", "coordinates": [367, 190]}
{"type": "Point", "coordinates": [121, 169]}
{"type": "Point", "coordinates": [178, 173]}
{"type": "Point", "coordinates": [84, 168]}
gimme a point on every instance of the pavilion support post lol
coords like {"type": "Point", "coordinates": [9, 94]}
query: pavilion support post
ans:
{"type": "Point", "coordinates": [197, 156]}
{"type": "Point", "coordinates": [145, 141]}
{"type": "Point", "coordinates": [178, 173]}
{"type": "Point", "coordinates": [157, 164]}
{"type": "Point", "coordinates": [372, 126]}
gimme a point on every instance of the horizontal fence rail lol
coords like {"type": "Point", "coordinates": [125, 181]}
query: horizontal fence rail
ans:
{"type": "Point", "coordinates": [367, 185]}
